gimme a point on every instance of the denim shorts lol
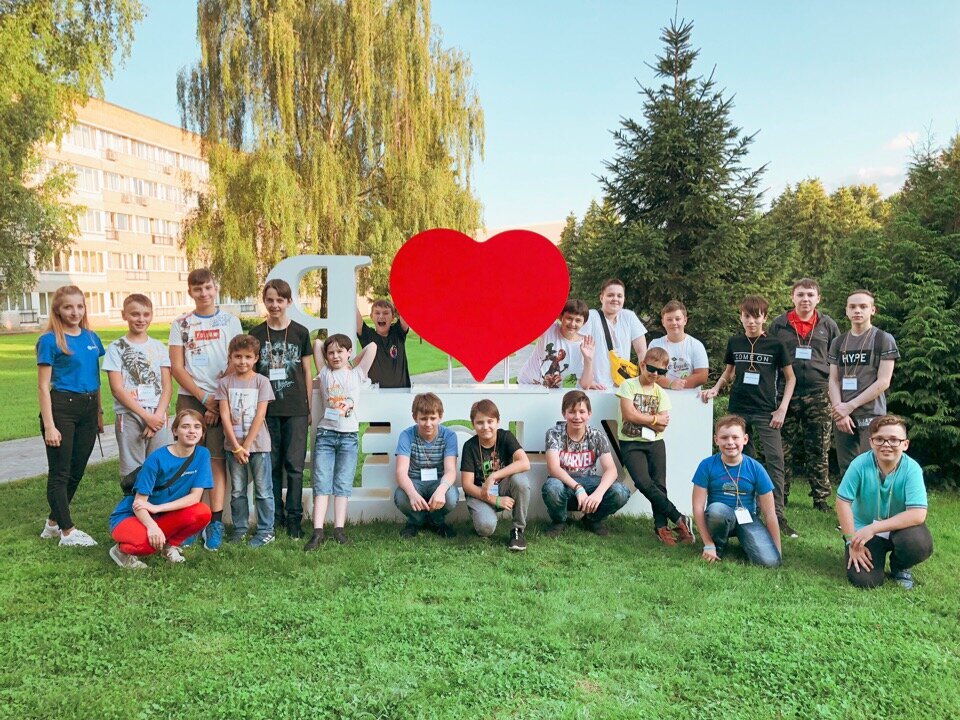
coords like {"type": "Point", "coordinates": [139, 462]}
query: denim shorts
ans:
{"type": "Point", "coordinates": [334, 462]}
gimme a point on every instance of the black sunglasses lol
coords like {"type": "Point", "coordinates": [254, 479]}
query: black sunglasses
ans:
{"type": "Point", "coordinates": [656, 370]}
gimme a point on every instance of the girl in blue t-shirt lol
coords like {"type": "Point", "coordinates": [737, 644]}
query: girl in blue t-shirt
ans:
{"type": "Point", "coordinates": [68, 369]}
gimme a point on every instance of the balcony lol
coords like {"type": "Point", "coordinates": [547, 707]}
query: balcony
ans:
{"type": "Point", "coordinates": [162, 239]}
{"type": "Point", "coordinates": [137, 275]}
{"type": "Point", "coordinates": [142, 200]}
{"type": "Point", "coordinates": [183, 276]}
{"type": "Point", "coordinates": [111, 234]}
{"type": "Point", "coordinates": [126, 198]}
{"type": "Point", "coordinates": [110, 154]}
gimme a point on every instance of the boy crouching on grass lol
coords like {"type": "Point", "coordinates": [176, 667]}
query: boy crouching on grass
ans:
{"type": "Point", "coordinates": [337, 443]}
{"type": "Point", "coordinates": [426, 470]}
{"type": "Point", "coordinates": [492, 474]}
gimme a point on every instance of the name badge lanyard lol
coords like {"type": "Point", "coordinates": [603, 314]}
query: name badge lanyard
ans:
{"type": "Point", "coordinates": [423, 451]}
{"type": "Point", "coordinates": [847, 372]}
{"type": "Point", "coordinates": [751, 375]}
{"type": "Point", "coordinates": [810, 336]}
{"type": "Point", "coordinates": [735, 481]}
{"type": "Point", "coordinates": [493, 454]}
{"type": "Point", "coordinates": [880, 479]}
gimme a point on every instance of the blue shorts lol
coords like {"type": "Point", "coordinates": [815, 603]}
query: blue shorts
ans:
{"type": "Point", "coordinates": [334, 462]}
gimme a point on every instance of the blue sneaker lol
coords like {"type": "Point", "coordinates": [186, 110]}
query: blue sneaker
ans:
{"type": "Point", "coordinates": [213, 536]}
{"type": "Point", "coordinates": [904, 578]}
{"type": "Point", "coordinates": [258, 541]}
{"type": "Point", "coordinates": [189, 541]}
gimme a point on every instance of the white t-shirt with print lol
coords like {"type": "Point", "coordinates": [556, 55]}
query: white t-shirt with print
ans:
{"type": "Point", "coordinates": [139, 366]}
{"type": "Point", "coordinates": [685, 357]}
{"type": "Point", "coordinates": [205, 339]}
{"type": "Point", "coordinates": [339, 396]}
{"type": "Point", "coordinates": [541, 360]}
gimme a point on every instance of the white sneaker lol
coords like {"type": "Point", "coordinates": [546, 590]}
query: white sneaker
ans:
{"type": "Point", "coordinates": [77, 538]}
{"type": "Point", "coordinates": [127, 562]}
{"type": "Point", "coordinates": [171, 553]}
{"type": "Point", "coordinates": [50, 531]}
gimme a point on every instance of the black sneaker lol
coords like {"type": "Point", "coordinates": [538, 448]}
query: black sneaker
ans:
{"type": "Point", "coordinates": [409, 531]}
{"type": "Point", "coordinates": [444, 530]}
{"type": "Point", "coordinates": [823, 506]}
{"type": "Point", "coordinates": [315, 540]}
{"type": "Point", "coordinates": [518, 543]}
{"type": "Point", "coordinates": [597, 528]}
{"type": "Point", "coordinates": [341, 537]}
{"type": "Point", "coordinates": [556, 530]}
{"type": "Point", "coordinates": [786, 530]}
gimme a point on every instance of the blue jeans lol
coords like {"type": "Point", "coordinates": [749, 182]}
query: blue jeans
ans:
{"type": "Point", "coordinates": [559, 498]}
{"type": "Point", "coordinates": [754, 537]}
{"type": "Point", "coordinates": [426, 490]}
{"type": "Point", "coordinates": [334, 462]}
{"type": "Point", "coordinates": [260, 467]}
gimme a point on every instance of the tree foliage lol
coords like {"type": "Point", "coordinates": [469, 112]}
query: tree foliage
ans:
{"type": "Point", "coordinates": [366, 124]}
{"type": "Point", "coordinates": [54, 53]}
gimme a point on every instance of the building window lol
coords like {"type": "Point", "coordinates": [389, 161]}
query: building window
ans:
{"type": "Point", "coordinates": [91, 221]}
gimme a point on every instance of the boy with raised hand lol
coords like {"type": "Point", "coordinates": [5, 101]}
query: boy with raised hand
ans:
{"type": "Point", "coordinates": [138, 368]}
{"type": "Point", "coordinates": [861, 368]}
{"type": "Point", "coordinates": [625, 329]}
{"type": "Point", "coordinates": [754, 361]}
{"type": "Point", "coordinates": [243, 395]}
{"type": "Point", "coordinates": [575, 450]}
{"type": "Point", "coordinates": [426, 470]}
{"type": "Point", "coordinates": [198, 359]}
{"type": "Point", "coordinates": [492, 474]}
{"type": "Point", "coordinates": [727, 489]}
{"type": "Point", "coordinates": [689, 366]}
{"type": "Point", "coordinates": [807, 335]}
{"type": "Point", "coordinates": [882, 508]}
{"type": "Point", "coordinates": [389, 333]}
{"type": "Point", "coordinates": [562, 352]}
{"type": "Point", "coordinates": [285, 353]}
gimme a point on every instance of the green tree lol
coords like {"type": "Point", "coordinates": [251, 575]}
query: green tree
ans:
{"type": "Point", "coordinates": [361, 128]}
{"type": "Point", "coordinates": [54, 54]}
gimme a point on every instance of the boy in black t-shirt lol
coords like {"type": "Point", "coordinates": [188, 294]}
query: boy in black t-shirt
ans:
{"type": "Point", "coordinates": [754, 360]}
{"type": "Point", "coordinates": [492, 474]}
{"type": "Point", "coordinates": [390, 364]}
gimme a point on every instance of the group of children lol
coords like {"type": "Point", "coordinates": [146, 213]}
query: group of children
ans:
{"type": "Point", "coordinates": [247, 400]}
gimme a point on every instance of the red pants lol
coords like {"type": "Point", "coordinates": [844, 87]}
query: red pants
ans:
{"type": "Point", "coordinates": [177, 525]}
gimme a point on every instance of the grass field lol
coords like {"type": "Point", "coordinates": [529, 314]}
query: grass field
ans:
{"type": "Point", "coordinates": [580, 627]}
{"type": "Point", "coordinates": [19, 411]}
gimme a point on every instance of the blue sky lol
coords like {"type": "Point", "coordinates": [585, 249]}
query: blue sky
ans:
{"type": "Point", "coordinates": [837, 90]}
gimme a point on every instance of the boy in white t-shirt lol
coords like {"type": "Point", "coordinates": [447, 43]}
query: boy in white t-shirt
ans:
{"type": "Point", "coordinates": [625, 328]}
{"type": "Point", "coordinates": [562, 352]}
{"type": "Point", "coordinates": [337, 443]}
{"type": "Point", "coordinates": [198, 359]}
{"type": "Point", "coordinates": [689, 366]}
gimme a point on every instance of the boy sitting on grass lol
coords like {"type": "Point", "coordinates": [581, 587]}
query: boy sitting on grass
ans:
{"type": "Point", "coordinates": [492, 474]}
{"type": "Point", "coordinates": [426, 470]}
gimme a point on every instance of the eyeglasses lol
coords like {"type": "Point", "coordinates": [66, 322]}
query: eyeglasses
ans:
{"type": "Point", "coordinates": [656, 371]}
{"type": "Point", "coordinates": [890, 442]}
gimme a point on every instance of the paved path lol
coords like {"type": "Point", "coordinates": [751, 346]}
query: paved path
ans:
{"type": "Point", "coordinates": [26, 457]}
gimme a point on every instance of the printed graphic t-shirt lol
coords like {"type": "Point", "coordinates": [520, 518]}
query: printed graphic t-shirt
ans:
{"type": "Point", "coordinates": [244, 395]}
{"type": "Point", "coordinates": [205, 339]}
{"type": "Point", "coordinates": [492, 459]}
{"type": "Point", "coordinates": [284, 350]}
{"type": "Point", "coordinates": [579, 458]}
{"type": "Point", "coordinates": [139, 365]}
{"type": "Point", "coordinates": [553, 354]}
{"type": "Point", "coordinates": [649, 401]}
{"type": "Point", "coordinates": [78, 372]}
{"type": "Point", "coordinates": [340, 393]}
{"type": "Point", "coordinates": [685, 356]}
{"type": "Point", "coordinates": [763, 356]}
{"type": "Point", "coordinates": [389, 369]}
{"type": "Point", "coordinates": [859, 358]}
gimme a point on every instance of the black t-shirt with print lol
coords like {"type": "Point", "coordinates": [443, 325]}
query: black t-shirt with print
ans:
{"type": "Point", "coordinates": [285, 349]}
{"type": "Point", "coordinates": [499, 456]}
{"type": "Point", "coordinates": [765, 356]}
{"type": "Point", "coordinates": [389, 367]}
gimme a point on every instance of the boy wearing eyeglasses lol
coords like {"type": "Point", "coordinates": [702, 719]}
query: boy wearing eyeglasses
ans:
{"type": "Point", "coordinates": [882, 508]}
{"type": "Point", "coordinates": [754, 360]}
{"type": "Point", "coordinates": [644, 415]}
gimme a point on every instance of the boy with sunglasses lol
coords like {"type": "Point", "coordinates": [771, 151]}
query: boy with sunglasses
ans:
{"type": "Point", "coordinates": [644, 415]}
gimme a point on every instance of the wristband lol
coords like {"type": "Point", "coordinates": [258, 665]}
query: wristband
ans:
{"type": "Point", "coordinates": [710, 547]}
{"type": "Point", "coordinates": [579, 489]}
{"type": "Point", "coordinates": [206, 396]}
{"type": "Point", "coordinates": [237, 450]}
{"type": "Point", "coordinates": [498, 502]}
{"type": "Point", "coordinates": [847, 543]}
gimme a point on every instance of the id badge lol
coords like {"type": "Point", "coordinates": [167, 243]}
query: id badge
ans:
{"type": "Point", "coordinates": [494, 489]}
{"type": "Point", "coordinates": [885, 534]}
{"type": "Point", "coordinates": [199, 360]}
{"type": "Point", "coordinates": [428, 474]}
{"type": "Point", "coordinates": [648, 433]}
{"type": "Point", "coordinates": [849, 383]}
{"type": "Point", "coordinates": [743, 516]}
{"type": "Point", "coordinates": [804, 353]}
{"type": "Point", "coordinates": [751, 378]}
{"type": "Point", "coordinates": [331, 414]}
{"type": "Point", "coordinates": [146, 394]}
{"type": "Point", "coordinates": [278, 374]}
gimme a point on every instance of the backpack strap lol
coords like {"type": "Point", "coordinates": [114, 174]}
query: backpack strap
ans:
{"type": "Point", "coordinates": [606, 331]}
{"type": "Point", "coordinates": [178, 474]}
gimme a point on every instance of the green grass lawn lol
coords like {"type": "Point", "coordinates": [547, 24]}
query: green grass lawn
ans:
{"type": "Point", "coordinates": [580, 627]}
{"type": "Point", "coordinates": [19, 411]}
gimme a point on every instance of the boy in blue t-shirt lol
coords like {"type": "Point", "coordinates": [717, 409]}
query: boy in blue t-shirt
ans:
{"type": "Point", "coordinates": [426, 470]}
{"type": "Point", "coordinates": [727, 488]}
{"type": "Point", "coordinates": [882, 507]}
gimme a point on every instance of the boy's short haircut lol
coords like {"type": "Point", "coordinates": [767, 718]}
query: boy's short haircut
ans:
{"type": "Point", "coordinates": [575, 306]}
{"type": "Point", "coordinates": [754, 306]}
{"type": "Point", "coordinates": [188, 412]}
{"type": "Point", "coordinates": [612, 281]}
{"type": "Point", "coordinates": [487, 408]}
{"type": "Point", "coordinates": [883, 421]}
{"type": "Point", "coordinates": [244, 342]}
{"type": "Point", "coordinates": [200, 276]}
{"type": "Point", "coordinates": [861, 291]}
{"type": "Point", "coordinates": [337, 339]}
{"type": "Point", "coordinates": [656, 354]}
{"type": "Point", "coordinates": [574, 398]}
{"type": "Point", "coordinates": [281, 287]}
{"type": "Point", "coordinates": [426, 404]}
{"type": "Point", "coordinates": [386, 304]}
{"type": "Point", "coordinates": [673, 306]}
{"type": "Point", "coordinates": [807, 284]}
{"type": "Point", "coordinates": [730, 421]}
{"type": "Point", "coordinates": [139, 299]}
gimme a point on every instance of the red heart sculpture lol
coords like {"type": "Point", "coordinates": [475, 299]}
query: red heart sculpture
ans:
{"type": "Point", "coordinates": [479, 301]}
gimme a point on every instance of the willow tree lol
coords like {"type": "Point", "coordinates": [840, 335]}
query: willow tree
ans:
{"type": "Point", "coordinates": [331, 127]}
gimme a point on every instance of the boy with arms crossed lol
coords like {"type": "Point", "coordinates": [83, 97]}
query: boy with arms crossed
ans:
{"type": "Point", "coordinates": [689, 366]}
{"type": "Point", "coordinates": [426, 468]}
{"type": "Point", "coordinates": [574, 451]}
{"type": "Point", "coordinates": [562, 351]}
{"type": "Point", "coordinates": [807, 335]}
{"type": "Point", "coordinates": [754, 361]}
{"type": "Point", "coordinates": [882, 508]}
{"type": "Point", "coordinates": [492, 474]}
{"type": "Point", "coordinates": [198, 359]}
{"type": "Point", "coordinates": [861, 368]}
{"type": "Point", "coordinates": [727, 488]}
{"type": "Point", "coordinates": [389, 368]}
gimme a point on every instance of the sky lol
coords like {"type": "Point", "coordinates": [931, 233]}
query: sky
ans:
{"type": "Point", "coordinates": [834, 89]}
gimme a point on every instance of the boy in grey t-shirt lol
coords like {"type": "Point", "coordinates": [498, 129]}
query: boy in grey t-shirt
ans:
{"type": "Point", "coordinates": [861, 368]}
